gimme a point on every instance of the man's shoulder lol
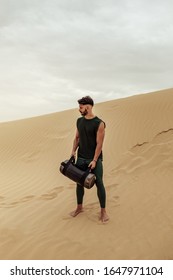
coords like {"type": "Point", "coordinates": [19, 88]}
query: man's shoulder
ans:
{"type": "Point", "coordinates": [79, 120]}
{"type": "Point", "coordinates": [99, 120]}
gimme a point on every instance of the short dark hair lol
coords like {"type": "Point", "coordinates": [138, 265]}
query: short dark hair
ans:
{"type": "Point", "coordinates": [86, 100]}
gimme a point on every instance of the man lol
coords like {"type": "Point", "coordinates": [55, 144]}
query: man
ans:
{"type": "Point", "coordinates": [89, 141]}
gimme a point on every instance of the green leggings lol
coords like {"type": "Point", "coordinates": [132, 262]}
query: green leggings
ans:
{"type": "Point", "coordinates": [98, 171]}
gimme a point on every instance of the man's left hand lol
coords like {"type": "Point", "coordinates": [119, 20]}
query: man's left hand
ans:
{"type": "Point", "coordinates": [92, 164]}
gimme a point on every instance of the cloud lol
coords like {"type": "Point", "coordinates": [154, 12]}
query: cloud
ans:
{"type": "Point", "coordinates": [52, 52]}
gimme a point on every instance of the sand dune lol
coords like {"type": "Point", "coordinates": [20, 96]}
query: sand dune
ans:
{"type": "Point", "coordinates": [35, 198]}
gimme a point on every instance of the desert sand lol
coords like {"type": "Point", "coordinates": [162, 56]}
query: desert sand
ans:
{"type": "Point", "coordinates": [36, 199]}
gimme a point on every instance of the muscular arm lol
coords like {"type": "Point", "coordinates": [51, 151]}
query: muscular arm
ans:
{"type": "Point", "coordinates": [75, 143]}
{"type": "Point", "coordinates": [99, 140]}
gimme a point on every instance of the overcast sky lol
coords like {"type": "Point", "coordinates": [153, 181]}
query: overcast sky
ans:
{"type": "Point", "coordinates": [53, 52]}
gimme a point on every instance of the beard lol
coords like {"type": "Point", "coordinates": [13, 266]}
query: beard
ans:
{"type": "Point", "coordinates": [84, 113]}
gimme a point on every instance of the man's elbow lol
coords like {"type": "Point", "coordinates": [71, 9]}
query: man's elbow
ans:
{"type": "Point", "coordinates": [76, 139]}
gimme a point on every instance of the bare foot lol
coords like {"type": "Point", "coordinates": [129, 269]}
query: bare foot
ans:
{"type": "Point", "coordinates": [103, 216]}
{"type": "Point", "coordinates": [78, 210]}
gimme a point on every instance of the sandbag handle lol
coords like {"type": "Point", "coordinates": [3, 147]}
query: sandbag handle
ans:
{"type": "Point", "coordinates": [67, 163]}
{"type": "Point", "coordinates": [72, 159]}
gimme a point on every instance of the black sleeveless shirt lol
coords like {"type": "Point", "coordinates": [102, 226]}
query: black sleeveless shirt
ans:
{"type": "Point", "coordinates": [87, 137]}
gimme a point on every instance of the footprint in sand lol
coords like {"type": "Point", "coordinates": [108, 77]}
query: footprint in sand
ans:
{"type": "Point", "coordinates": [47, 196]}
{"type": "Point", "coordinates": [51, 194]}
{"type": "Point", "coordinates": [23, 199]}
{"type": "Point", "coordinates": [15, 203]}
{"type": "Point", "coordinates": [26, 198]}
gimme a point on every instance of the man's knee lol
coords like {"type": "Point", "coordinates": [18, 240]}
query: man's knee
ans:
{"type": "Point", "coordinates": [99, 183]}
